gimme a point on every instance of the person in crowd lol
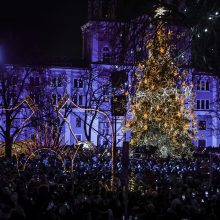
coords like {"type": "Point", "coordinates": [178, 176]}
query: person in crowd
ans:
{"type": "Point", "coordinates": [159, 188]}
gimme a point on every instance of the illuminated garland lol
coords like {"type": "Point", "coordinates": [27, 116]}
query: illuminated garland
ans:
{"type": "Point", "coordinates": [33, 108]}
{"type": "Point", "coordinates": [132, 182]}
{"type": "Point", "coordinates": [43, 140]}
{"type": "Point", "coordinates": [160, 115]}
{"type": "Point", "coordinates": [59, 107]}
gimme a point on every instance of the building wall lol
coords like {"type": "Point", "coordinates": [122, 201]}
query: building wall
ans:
{"type": "Point", "coordinates": [87, 87]}
{"type": "Point", "coordinates": [206, 87]}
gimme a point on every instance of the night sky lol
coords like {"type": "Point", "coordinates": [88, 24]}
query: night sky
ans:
{"type": "Point", "coordinates": [49, 31]}
{"type": "Point", "coordinates": [36, 31]}
{"type": "Point", "coordinates": [45, 31]}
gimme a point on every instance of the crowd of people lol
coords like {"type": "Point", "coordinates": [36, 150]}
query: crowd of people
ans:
{"type": "Point", "coordinates": [157, 189]}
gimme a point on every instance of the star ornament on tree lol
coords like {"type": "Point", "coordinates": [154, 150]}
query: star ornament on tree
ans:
{"type": "Point", "coordinates": [159, 12]}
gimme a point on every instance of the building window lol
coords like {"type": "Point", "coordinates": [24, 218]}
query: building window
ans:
{"type": "Point", "coordinates": [201, 143]}
{"type": "Point", "coordinates": [198, 104]}
{"type": "Point", "coordinates": [75, 83]}
{"type": "Point", "coordinates": [34, 81]}
{"type": "Point", "coordinates": [58, 97]}
{"type": "Point", "coordinates": [78, 122]}
{"type": "Point", "coordinates": [105, 98]}
{"type": "Point", "coordinates": [198, 85]}
{"type": "Point", "coordinates": [202, 85]}
{"type": "Point", "coordinates": [207, 104]}
{"type": "Point", "coordinates": [75, 99]}
{"type": "Point", "coordinates": [202, 125]}
{"type": "Point", "coordinates": [104, 128]}
{"type": "Point", "coordinates": [35, 98]}
{"type": "Point", "coordinates": [55, 98]}
{"type": "Point", "coordinates": [105, 55]}
{"type": "Point", "coordinates": [78, 83]}
{"type": "Point", "coordinates": [57, 82]}
{"type": "Point", "coordinates": [80, 100]}
{"type": "Point", "coordinates": [54, 82]}
{"type": "Point", "coordinates": [207, 85]}
{"type": "Point", "coordinates": [202, 104]}
{"type": "Point", "coordinates": [79, 137]}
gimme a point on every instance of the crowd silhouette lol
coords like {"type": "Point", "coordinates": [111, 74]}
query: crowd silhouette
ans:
{"type": "Point", "coordinates": [158, 188]}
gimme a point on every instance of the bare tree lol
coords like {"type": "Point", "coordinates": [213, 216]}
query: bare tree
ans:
{"type": "Point", "coordinates": [92, 90]}
{"type": "Point", "coordinates": [49, 95]}
{"type": "Point", "coordinates": [13, 111]}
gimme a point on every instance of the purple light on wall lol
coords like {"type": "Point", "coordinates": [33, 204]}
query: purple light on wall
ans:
{"type": "Point", "coordinates": [1, 55]}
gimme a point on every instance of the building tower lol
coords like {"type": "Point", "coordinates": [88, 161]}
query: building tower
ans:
{"type": "Point", "coordinates": [102, 10]}
{"type": "Point", "coordinates": [96, 32]}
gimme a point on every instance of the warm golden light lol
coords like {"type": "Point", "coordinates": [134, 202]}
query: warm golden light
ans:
{"type": "Point", "coordinates": [159, 114]}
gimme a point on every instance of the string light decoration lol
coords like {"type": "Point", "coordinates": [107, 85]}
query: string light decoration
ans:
{"type": "Point", "coordinates": [28, 100]}
{"type": "Point", "coordinates": [203, 17]}
{"type": "Point", "coordinates": [132, 182]}
{"type": "Point", "coordinates": [160, 115]}
{"type": "Point", "coordinates": [45, 139]}
{"type": "Point", "coordinates": [33, 108]}
{"type": "Point", "coordinates": [160, 11]}
{"type": "Point", "coordinates": [79, 144]}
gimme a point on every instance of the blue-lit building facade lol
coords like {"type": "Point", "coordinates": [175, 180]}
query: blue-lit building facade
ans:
{"type": "Point", "coordinates": [90, 85]}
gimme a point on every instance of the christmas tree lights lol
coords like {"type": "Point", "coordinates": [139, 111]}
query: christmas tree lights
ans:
{"type": "Point", "coordinates": [162, 107]}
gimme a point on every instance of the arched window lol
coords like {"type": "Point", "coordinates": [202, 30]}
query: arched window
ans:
{"type": "Point", "coordinates": [105, 55]}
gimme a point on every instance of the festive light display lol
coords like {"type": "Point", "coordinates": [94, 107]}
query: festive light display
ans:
{"type": "Point", "coordinates": [203, 18]}
{"type": "Point", "coordinates": [160, 11]}
{"type": "Point", "coordinates": [59, 107]}
{"type": "Point", "coordinates": [43, 140]}
{"type": "Point", "coordinates": [33, 108]}
{"type": "Point", "coordinates": [162, 108]}
{"type": "Point", "coordinates": [132, 183]}
{"type": "Point", "coordinates": [48, 140]}
{"type": "Point", "coordinates": [28, 100]}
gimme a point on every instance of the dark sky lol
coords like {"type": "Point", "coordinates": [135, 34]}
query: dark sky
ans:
{"type": "Point", "coordinates": [41, 30]}
{"type": "Point", "coordinates": [46, 30]}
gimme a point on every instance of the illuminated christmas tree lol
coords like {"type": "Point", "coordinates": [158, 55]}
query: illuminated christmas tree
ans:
{"type": "Point", "coordinates": [162, 107]}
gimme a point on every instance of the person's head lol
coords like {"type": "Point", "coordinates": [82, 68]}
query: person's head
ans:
{"type": "Point", "coordinates": [16, 214]}
{"type": "Point", "coordinates": [14, 197]}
